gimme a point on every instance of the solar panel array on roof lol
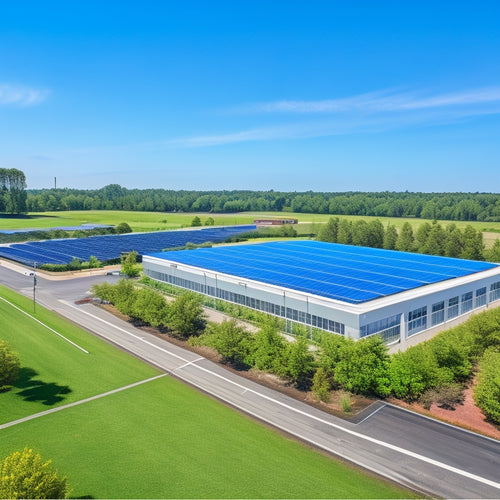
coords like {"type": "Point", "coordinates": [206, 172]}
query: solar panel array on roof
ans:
{"type": "Point", "coordinates": [110, 247]}
{"type": "Point", "coordinates": [342, 272]}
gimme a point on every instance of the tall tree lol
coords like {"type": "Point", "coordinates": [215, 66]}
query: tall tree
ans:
{"type": "Point", "coordinates": [406, 240]}
{"type": "Point", "coordinates": [473, 244]}
{"type": "Point", "coordinates": [390, 237]}
{"type": "Point", "coordinates": [12, 191]}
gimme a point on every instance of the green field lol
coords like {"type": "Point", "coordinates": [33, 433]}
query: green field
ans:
{"type": "Point", "coordinates": [161, 439]}
{"type": "Point", "coordinates": [154, 221]}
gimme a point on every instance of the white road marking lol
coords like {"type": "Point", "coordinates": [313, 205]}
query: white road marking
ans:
{"type": "Point", "coordinates": [188, 363]}
{"type": "Point", "coordinates": [76, 403]}
{"type": "Point", "coordinates": [43, 324]}
{"type": "Point", "coordinates": [313, 417]}
{"type": "Point", "coordinates": [372, 413]}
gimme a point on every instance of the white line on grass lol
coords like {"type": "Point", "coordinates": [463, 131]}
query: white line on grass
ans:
{"type": "Point", "coordinates": [313, 417]}
{"type": "Point", "coordinates": [43, 324]}
{"type": "Point", "coordinates": [76, 403]}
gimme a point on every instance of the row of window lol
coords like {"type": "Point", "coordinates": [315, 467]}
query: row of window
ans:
{"type": "Point", "coordinates": [453, 307]}
{"type": "Point", "coordinates": [253, 303]}
{"type": "Point", "coordinates": [389, 328]}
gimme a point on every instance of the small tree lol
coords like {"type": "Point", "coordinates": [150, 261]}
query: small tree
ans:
{"type": "Point", "coordinates": [129, 265]}
{"type": "Point", "coordinates": [210, 221]}
{"type": "Point", "coordinates": [321, 385]}
{"type": "Point", "coordinates": [123, 228]}
{"type": "Point", "coordinates": [9, 365]}
{"type": "Point", "coordinates": [196, 221]}
{"type": "Point", "coordinates": [297, 361]}
{"type": "Point", "coordinates": [75, 264]}
{"type": "Point", "coordinates": [94, 262]}
{"type": "Point", "coordinates": [232, 341]}
{"type": "Point", "coordinates": [269, 348]}
{"type": "Point", "coordinates": [487, 391]}
{"type": "Point", "coordinates": [186, 315]}
{"type": "Point", "coordinates": [25, 475]}
{"type": "Point", "coordinates": [151, 307]}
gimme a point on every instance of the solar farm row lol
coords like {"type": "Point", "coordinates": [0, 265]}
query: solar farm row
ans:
{"type": "Point", "coordinates": [342, 272]}
{"type": "Point", "coordinates": [110, 247]}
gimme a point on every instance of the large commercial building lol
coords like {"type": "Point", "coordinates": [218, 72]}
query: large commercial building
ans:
{"type": "Point", "coordinates": [347, 290]}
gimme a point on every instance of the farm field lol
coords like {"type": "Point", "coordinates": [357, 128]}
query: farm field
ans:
{"type": "Point", "coordinates": [161, 439]}
{"type": "Point", "coordinates": [156, 221]}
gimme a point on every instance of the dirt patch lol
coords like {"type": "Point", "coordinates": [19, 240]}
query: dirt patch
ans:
{"type": "Point", "coordinates": [466, 415]}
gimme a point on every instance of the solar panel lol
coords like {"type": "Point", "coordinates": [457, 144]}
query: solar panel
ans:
{"type": "Point", "coordinates": [342, 272]}
{"type": "Point", "coordinates": [110, 247]}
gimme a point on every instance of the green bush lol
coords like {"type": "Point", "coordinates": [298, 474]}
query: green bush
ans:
{"type": "Point", "coordinates": [231, 341]}
{"type": "Point", "coordinates": [25, 475]}
{"type": "Point", "coordinates": [416, 370]}
{"type": "Point", "coordinates": [363, 366]}
{"type": "Point", "coordinates": [9, 366]}
{"type": "Point", "coordinates": [321, 385]}
{"type": "Point", "coordinates": [487, 391]}
{"type": "Point", "coordinates": [186, 316]}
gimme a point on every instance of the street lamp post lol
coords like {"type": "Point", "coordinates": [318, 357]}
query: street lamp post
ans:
{"type": "Point", "coordinates": [32, 274]}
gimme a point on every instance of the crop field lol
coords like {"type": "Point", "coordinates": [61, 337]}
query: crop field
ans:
{"type": "Point", "coordinates": [160, 439]}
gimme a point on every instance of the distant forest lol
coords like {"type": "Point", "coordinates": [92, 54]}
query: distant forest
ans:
{"type": "Point", "coordinates": [434, 206]}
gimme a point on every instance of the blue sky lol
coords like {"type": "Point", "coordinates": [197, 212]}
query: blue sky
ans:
{"type": "Point", "coordinates": [283, 95]}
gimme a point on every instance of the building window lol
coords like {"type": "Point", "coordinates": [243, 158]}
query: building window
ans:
{"type": "Point", "coordinates": [481, 297]}
{"type": "Point", "coordinates": [452, 307]}
{"type": "Point", "coordinates": [495, 291]}
{"type": "Point", "coordinates": [417, 320]}
{"type": "Point", "coordinates": [437, 315]}
{"type": "Point", "coordinates": [466, 302]}
{"type": "Point", "coordinates": [388, 328]}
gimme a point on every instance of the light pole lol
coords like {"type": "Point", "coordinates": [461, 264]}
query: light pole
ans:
{"type": "Point", "coordinates": [32, 274]}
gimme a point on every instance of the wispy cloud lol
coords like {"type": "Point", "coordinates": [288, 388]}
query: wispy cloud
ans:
{"type": "Point", "coordinates": [379, 101]}
{"type": "Point", "coordinates": [363, 113]}
{"type": "Point", "coordinates": [20, 95]}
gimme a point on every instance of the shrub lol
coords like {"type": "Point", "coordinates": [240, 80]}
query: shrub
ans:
{"type": "Point", "coordinates": [25, 475]}
{"type": "Point", "coordinates": [447, 396]}
{"type": "Point", "coordinates": [414, 371]}
{"type": "Point", "coordinates": [363, 366]}
{"type": "Point", "coordinates": [9, 365]}
{"type": "Point", "coordinates": [186, 315]}
{"type": "Point", "coordinates": [233, 342]}
{"type": "Point", "coordinates": [487, 391]}
{"type": "Point", "coordinates": [321, 385]}
{"type": "Point", "coordinates": [123, 228]}
{"type": "Point", "coordinates": [345, 402]}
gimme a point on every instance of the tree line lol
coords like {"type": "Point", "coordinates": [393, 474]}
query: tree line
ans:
{"type": "Point", "coordinates": [439, 206]}
{"type": "Point", "coordinates": [434, 371]}
{"type": "Point", "coordinates": [12, 191]}
{"type": "Point", "coordinates": [432, 239]}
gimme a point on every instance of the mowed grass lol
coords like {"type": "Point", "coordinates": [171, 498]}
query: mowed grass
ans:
{"type": "Point", "coordinates": [53, 371]}
{"type": "Point", "coordinates": [161, 439]}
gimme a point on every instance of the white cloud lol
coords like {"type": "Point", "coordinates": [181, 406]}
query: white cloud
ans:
{"type": "Point", "coordinates": [21, 96]}
{"type": "Point", "coordinates": [380, 101]}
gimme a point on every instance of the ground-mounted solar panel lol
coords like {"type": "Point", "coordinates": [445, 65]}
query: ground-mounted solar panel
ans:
{"type": "Point", "coordinates": [109, 247]}
{"type": "Point", "coordinates": [341, 272]}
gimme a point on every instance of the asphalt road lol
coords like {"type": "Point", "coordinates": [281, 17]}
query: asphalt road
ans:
{"type": "Point", "coordinates": [424, 454]}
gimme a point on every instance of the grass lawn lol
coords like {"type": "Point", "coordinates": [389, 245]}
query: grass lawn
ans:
{"type": "Point", "coordinates": [54, 372]}
{"type": "Point", "coordinates": [161, 439]}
